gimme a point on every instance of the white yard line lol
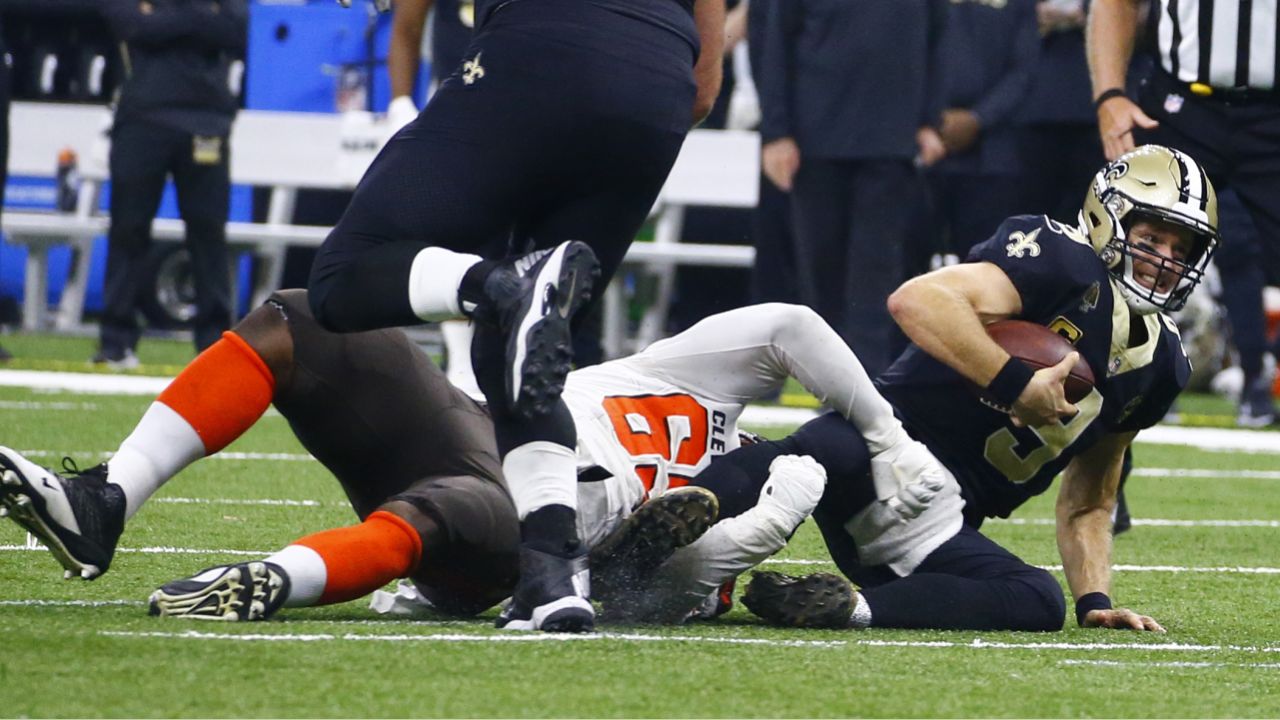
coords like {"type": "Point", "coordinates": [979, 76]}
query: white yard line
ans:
{"type": "Point", "coordinates": [468, 638]}
{"type": "Point", "coordinates": [1176, 664]}
{"type": "Point", "coordinates": [1152, 522]}
{"type": "Point", "coordinates": [231, 501]}
{"type": "Point", "coordinates": [161, 550]}
{"type": "Point", "coordinates": [1212, 439]}
{"type": "Point", "coordinates": [152, 550]}
{"type": "Point", "coordinates": [41, 406]}
{"type": "Point", "coordinates": [976, 644]}
{"type": "Point", "coordinates": [1205, 438]}
{"type": "Point", "coordinates": [240, 456]}
{"type": "Point", "coordinates": [68, 603]}
{"type": "Point", "coordinates": [1117, 568]}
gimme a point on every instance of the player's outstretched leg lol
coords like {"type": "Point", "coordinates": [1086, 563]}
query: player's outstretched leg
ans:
{"type": "Point", "coordinates": [532, 299]}
{"type": "Point", "coordinates": [243, 591]}
{"type": "Point", "coordinates": [627, 558]}
{"type": "Point", "coordinates": [214, 400]}
{"type": "Point", "coordinates": [820, 600]}
{"type": "Point", "coordinates": [79, 517]}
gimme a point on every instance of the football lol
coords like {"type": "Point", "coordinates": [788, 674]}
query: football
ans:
{"type": "Point", "coordinates": [1039, 347]}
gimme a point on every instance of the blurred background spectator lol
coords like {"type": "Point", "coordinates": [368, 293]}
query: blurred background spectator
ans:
{"type": "Point", "coordinates": [773, 278]}
{"type": "Point", "coordinates": [850, 95]}
{"type": "Point", "coordinates": [173, 117]}
{"type": "Point", "coordinates": [989, 50]}
{"type": "Point", "coordinates": [1059, 133]}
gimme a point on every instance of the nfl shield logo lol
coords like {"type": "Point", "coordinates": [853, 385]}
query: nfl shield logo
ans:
{"type": "Point", "coordinates": [1173, 103]}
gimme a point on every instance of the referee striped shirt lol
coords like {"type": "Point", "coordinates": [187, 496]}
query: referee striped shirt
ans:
{"type": "Point", "coordinates": [1223, 43]}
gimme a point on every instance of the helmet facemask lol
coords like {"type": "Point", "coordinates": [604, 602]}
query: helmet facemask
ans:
{"type": "Point", "coordinates": [1121, 253]}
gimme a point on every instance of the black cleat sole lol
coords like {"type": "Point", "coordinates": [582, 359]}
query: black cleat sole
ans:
{"type": "Point", "coordinates": [624, 561]}
{"type": "Point", "coordinates": [820, 600]}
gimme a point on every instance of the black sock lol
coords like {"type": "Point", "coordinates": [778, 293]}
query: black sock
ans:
{"type": "Point", "coordinates": [551, 529]}
{"type": "Point", "coordinates": [471, 289]}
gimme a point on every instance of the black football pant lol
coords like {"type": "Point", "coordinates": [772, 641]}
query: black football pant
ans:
{"type": "Point", "coordinates": [143, 155]}
{"type": "Point", "coordinates": [968, 583]}
{"type": "Point", "coordinates": [567, 133]}
{"type": "Point", "coordinates": [1238, 144]}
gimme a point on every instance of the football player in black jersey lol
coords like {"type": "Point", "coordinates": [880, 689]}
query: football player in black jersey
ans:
{"type": "Point", "coordinates": [1146, 233]}
{"type": "Point", "coordinates": [516, 190]}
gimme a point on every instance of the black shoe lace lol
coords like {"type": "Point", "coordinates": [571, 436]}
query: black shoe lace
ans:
{"type": "Point", "coordinates": [71, 468]}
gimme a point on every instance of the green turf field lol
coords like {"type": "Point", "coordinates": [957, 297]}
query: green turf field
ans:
{"type": "Point", "coordinates": [1202, 559]}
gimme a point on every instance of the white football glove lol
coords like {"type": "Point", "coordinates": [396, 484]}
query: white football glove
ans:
{"type": "Point", "coordinates": [907, 477]}
{"type": "Point", "coordinates": [401, 112]}
{"type": "Point", "coordinates": [793, 489]}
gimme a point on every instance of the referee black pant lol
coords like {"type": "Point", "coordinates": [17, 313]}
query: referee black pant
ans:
{"type": "Point", "coordinates": [1238, 144]}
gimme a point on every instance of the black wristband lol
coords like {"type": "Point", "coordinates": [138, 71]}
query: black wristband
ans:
{"type": "Point", "coordinates": [1009, 383]}
{"type": "Point", "coordinates": [1091, 601]}
{"type": "Point", "coordinates": [1107, 95]}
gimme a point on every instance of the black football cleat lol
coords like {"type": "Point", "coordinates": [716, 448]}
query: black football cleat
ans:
{"type": "Point", "coordinates": [624, 562]}
{"type": "Point", "coordinates": [240, 592]}
{"type": "Point", "coordinates": [820, 600]}
{"type": "Point", "coordinates": [552, 594]}
{"type": "Point", "coordinates": [533, 299]}
{"type": "Point", "coordinates": [79, 517]}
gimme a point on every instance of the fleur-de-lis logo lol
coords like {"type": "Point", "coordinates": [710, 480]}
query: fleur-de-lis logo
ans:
{"type": "Point", "coordinates": [472, 70]}
{"type": "Point", "coordinates": [1021, 244]}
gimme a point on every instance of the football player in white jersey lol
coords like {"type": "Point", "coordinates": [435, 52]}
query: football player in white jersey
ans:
{"type": "Point", "coordinates": [417, 460]}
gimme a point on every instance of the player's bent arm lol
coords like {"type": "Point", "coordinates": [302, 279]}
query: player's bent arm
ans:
{"type": "Point", "coordinates": [1085, 501]}
{"type": "Point", "coordinates": [708, 15]}
{"type": "Point", "coordinates": [945, 311]}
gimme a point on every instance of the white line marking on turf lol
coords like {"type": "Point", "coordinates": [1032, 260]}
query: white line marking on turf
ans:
{"type": "Point", "coordinates": [231, 501]}
{"type": "Point", "coordinates": [84, 382]}
{"type": "Point", "coordinates": [1117, 568]}
{"type": "Point", "coordinates": [458, 637]}
{"type": "Point", "coordinates": [1158, 472]}
{"type": "Point", "coordinates": [979, 643]}
{"type": "Point", "coordinates": [1198, 473]}
{"type": "Point", "coordinates": [1176, 664]}
{"type": "Point", "coordinates": [1212, 439]}
{"type": "Point", "coordinates": [25, 405]}
{"type": "Point", "coordinates": [164, 550]}
{"type": "Point", "coordinates": [105, 454]}
{"type": "Point", "coordinates": [1153, 522]}
{"type": "Point", "coordinates": [975, 644]}
{"type": "Point", "coordinates": [154, 550]}
{"type": "Point", "coordinates": [69, 603]}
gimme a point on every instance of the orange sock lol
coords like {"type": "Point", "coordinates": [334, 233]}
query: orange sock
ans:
{"type": "Point", "coordinates": [362, 558]}
{"type": "Point", "coordinates": [223, 392]}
